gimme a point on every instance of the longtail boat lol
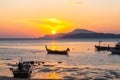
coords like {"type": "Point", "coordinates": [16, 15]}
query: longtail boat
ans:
{"type": "Point", "coordinates": [99, 47]}
{"type": "Point", "coordinates": [115, 51]}
{"type": "Point", "coordinates": [64, 52]}
{"type": "Point", "coordinates": [23, 71]}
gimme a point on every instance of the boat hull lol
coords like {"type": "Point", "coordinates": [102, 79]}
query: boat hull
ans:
{"type": "Point", "coordinates": [114, 51]}
{"type": "Point", "coordinates": [57, 52]}
{"type": "Point", "coordinates": [25, 72]}
{"type": "Point", "coordinates": [98, 48]}
{"type": "Point", "coordinates": [19, 74]}
{"type": "Point", "coordinates": [64, 52]}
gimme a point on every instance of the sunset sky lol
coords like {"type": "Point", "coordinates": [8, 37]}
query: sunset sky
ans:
{"type": "Point", "coordinates": [34, 18]}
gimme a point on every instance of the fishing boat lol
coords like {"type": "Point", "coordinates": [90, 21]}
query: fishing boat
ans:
{"type": "Point", "coordinates": [99, 47]}
{"type": "Point", "coordinates": [117, 46]}
{"type": "Point", "coordinates": [23, 71]}
{"type": "Point", "coordinates": [115, 51]}
{"type": "Point", "coordinates": [64, 52]}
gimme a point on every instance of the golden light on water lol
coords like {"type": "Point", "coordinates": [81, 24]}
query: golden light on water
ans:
{"type": "Point", "coordinates": [53, 75]}
{"type": "Point", "coordinates": [53, 43]}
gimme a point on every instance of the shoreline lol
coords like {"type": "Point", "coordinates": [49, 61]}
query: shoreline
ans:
{"type": "Point", "coordinates": [62, 71]}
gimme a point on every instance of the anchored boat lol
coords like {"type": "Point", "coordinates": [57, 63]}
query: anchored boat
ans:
{"type": "Point", "coordinates": [99, 47]}
{"type": "Point", "coordinates": [23, 71]}
{"type": "Point", "coordinates": [115, 51]}
{"type": "Point", "coordinates": [64, 52]}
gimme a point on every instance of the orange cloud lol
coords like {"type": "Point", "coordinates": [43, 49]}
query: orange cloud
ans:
{"type": "Point", "coordinates": [45, 25]}
{"type": "Point", "coordinates": [76, 2]}
{"type": "Point", "coordinates": [54, 23]}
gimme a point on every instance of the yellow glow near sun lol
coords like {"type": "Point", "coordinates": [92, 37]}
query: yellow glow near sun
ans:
{"type": "Point", "coordinates": [53, 32]}
{"type": "Point", "coordinates": [53, 20]}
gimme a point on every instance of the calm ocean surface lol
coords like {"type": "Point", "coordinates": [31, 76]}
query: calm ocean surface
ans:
{"type": "Point", "coordinates": [82, 52]}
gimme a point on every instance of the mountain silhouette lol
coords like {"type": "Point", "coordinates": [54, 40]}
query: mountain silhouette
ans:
{"type": "Point", "coordinates": [60, 35]}
{"type": "Point", "coordinates": [81, 33]}
{"type": "Point", "coordinates": [77, 31]}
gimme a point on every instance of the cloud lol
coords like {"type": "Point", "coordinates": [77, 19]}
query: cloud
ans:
{"type": "Point", "coordinates": [54, 23]}
{"type": "Point", "coordinates": [49, 23]}
{"type": "Point", "coordinates": [76, 2]}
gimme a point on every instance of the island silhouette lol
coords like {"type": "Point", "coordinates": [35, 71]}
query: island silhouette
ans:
{"type": "Point", "coordinates": [81, 33]}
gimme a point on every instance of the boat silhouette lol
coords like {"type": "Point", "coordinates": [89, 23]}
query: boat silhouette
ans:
{"type": "Point", "coordinates": [63, 52]}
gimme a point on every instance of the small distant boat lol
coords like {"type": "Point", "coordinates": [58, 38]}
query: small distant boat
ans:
{"type": "Point", "coordinates": [115, 51]}
{"type": "Point", "coordinates": [23, 71]}
{"type": "Point", "coordinates": [64, 52]}
{"type": "Point", "coordinates": [99, 47]}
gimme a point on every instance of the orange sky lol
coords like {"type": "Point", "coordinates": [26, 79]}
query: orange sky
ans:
{"type": "Point", "coordinates": [34, 18]}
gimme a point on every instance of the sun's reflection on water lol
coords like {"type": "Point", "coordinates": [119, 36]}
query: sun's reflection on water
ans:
{"type": "Point", "coordinates": [53, 75]}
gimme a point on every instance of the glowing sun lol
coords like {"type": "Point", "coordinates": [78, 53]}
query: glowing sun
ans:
{"type": "Point", "coordinates": [53, 32]}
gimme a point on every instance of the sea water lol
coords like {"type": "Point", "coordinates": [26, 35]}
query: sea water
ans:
{"type": "Point", "coordinates": [82, 52]}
